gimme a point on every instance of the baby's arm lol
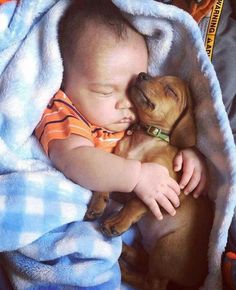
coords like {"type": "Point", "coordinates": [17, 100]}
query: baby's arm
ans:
{"type": "Point", "coordinates": [194, 177]}
{"type": "Point", "coordinates": [93, 168]}
{"type": "Point", "coordinates": [98, 170]}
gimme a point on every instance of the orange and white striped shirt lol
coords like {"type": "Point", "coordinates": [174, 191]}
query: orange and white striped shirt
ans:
{"type": "Point", "coordinates": [61, 119]}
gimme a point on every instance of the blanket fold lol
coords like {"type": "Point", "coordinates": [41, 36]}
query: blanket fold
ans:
{"type": "Point", "coordinates": [44, 240]}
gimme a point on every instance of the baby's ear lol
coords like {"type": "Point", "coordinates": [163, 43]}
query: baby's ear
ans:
{"type": "Point", "coordinates": [184, 132]}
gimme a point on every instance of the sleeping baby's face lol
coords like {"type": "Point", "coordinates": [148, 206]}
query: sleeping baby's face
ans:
{"type": "Point", "coordinates": [99, 79]}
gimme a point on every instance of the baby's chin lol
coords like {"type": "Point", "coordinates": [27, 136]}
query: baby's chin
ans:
{"type": "Point", "coordinates": [118, 127]}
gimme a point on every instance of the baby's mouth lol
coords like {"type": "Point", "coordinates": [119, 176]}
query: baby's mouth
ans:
{"type": "Point", "coordinates": [127, 120]}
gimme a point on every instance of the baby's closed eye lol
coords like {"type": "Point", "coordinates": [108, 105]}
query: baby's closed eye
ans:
{"type": "Point", "coordinates": [103, 93]}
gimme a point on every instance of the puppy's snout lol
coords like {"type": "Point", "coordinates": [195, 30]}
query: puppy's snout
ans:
{"type": "Point", "coordinates": [143, 77]}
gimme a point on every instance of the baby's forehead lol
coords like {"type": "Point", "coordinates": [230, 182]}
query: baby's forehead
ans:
{"type": "Point", "coordinates": [100, 46]}
{"type": "Point", "coordinates": [95, 30]}
{"type": "Point", "coordinates": [96, 33]}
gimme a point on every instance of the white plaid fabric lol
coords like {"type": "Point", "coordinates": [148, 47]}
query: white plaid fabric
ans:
{"type": "Point", "coordinates": [44, 240]}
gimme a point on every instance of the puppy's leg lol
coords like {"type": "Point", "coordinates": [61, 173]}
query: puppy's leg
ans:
{"type": "Point", "coordinates": [138, 279]}
{"type": "Point", "coordinates": [172, 286]}
{"type": "Point", "coordinates": [131, 277]}
{"type": "Point", "coordinates": [97, 205]}
{"type": "Point", "coordinates": [152, 283]}
{"type": "Point", "coordinates": [117, 224]}
{"type": "Point", "coordinates": [135, 256]}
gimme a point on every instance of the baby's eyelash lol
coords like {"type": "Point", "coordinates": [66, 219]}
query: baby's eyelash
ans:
{"type": "Point", "coordinates": [106, 93]}
{"type": "Point", "coordinates": [103, 93]}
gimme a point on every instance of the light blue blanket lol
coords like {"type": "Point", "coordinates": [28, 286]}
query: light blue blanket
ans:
{"type": "Point", "coordinates": [44, 240]}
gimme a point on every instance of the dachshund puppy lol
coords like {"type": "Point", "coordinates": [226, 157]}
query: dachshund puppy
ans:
{"type": "Point", "coordinates": [177, 245]}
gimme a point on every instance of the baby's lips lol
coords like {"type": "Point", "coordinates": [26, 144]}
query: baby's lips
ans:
{"type": "Point", "coordinates": [128, 119]}
{"type": "Point", "coordinates": [125, 120]}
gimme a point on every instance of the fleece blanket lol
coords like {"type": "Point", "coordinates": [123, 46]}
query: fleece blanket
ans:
{"type": "Point", "coordinates": [44, 240]}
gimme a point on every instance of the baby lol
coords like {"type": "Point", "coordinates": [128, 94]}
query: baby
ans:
{"type": "Point", "coordinates": [102, 55]}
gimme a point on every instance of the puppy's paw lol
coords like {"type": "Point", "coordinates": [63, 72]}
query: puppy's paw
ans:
{"type": "Point", "coordinates": [116, 225]}
{"type": "Point", "coordinates": [92, 215]}
{"type": "Point", "coordinates": [97, 206]}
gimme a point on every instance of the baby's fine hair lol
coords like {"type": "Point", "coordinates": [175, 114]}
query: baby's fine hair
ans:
{"type": "Point", "coordinates": [79, 12]}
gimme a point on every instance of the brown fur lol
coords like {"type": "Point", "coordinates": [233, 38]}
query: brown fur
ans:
{"type": "Point", "coordinates": [178, 245]}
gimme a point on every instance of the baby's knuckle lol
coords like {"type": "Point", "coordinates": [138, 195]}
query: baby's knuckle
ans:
{"type": "Point", "coordinates": [165, 170]}
{"type": "Point", "coordinates": [158, 194]}
{"type": "Point", "coordinates": [146, 199]}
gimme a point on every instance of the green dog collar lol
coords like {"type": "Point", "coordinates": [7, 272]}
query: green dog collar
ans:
{"type": "Point", "coordinates": [158, 133]}
{"type": "Point", "coordinates": [150, 130]}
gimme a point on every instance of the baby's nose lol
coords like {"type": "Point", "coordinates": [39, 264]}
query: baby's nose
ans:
{"type": "Point", "coordinates": [124, 103]}
{"type": "Point", "coordinates": [143, 77]}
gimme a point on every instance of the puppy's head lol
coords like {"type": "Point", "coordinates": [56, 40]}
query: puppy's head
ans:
{"type": "Point", "coordinates": [165, 102]}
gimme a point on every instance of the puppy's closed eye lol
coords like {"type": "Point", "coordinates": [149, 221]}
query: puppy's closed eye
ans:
{"type": "Point", "coordinates": [171, 92]}
{"type": "Point", "coordinates": [151, 106]}
{"type": "Point", "coordinates": [146, 100]}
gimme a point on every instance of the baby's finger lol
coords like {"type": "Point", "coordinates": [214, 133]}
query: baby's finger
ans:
{"type": "Point", "coordinates": [187, 174]}
{"type": "Point", "coordinates": [193, 183]}
{"type": "Point", "coordinates": [155, 209]}
{"type": "Point", "coordinates": [166, 204]}
{"type": "Point", "coordinates": [200, 188]}
{"type": "Point", "coordinates": [178, 162]}
{"type": "Point", "coordinates": [173, 185]}
{"type": "Point", "coordinates": [172, 197]}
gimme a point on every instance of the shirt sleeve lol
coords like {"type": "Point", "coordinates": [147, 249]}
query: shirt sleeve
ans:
{"type": "Point", "coordinates": [59, 121]}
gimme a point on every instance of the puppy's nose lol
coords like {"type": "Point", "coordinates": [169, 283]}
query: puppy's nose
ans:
{"type": "Point", "coordinates": [143, 77]}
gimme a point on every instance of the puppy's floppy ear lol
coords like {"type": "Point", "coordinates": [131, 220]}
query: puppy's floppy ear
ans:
{"type": "Point", "coordinates": [183, 134]}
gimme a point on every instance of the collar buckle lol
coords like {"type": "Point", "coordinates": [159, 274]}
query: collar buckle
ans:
{"type": "Point", "coordinates": [157, 132]}
{"type": "Point", "coordinates": [153, 131]}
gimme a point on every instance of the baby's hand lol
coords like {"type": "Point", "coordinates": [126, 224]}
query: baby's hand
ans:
{"type": "Point", "coordinates": [156, 188]}
{"type": "Point", "coordinates": [194, 176]}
